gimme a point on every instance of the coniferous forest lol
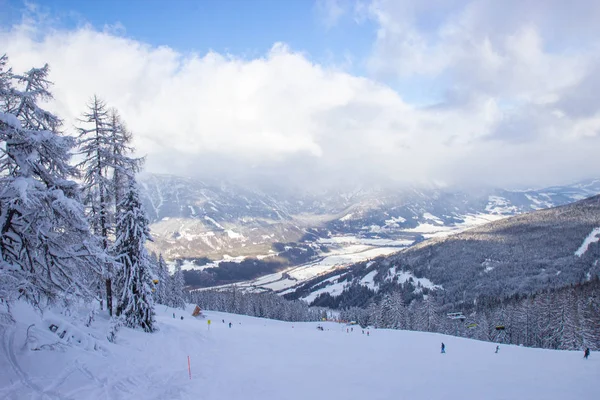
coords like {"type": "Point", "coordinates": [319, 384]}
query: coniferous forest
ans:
{"type": "Point", "coordinates": [73, 227]}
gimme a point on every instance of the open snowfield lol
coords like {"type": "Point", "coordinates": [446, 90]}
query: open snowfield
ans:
{"type": "Point", "coordinates": [337, 257]}
{"type": "Point", "coordinates": [264, 359]}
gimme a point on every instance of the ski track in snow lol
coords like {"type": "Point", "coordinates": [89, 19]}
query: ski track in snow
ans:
{"type": "Point", "coordinates": [594, 236]}
{"type": "Point", "coordinates": [264, 359]}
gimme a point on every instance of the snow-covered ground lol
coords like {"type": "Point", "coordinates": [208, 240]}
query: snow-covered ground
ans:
{"type": "Point", "coordinates": [264, 359]}
{"type": "Point", "coordinates": [339, 256]}
{"type": "Point", "coordinates": [428, 230]}
{"type": "Point", "coordinates": [593, 237]}
{"type": "Point", "coordinates": [190, 265]}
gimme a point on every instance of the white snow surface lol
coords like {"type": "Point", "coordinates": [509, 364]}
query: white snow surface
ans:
{"type": "Point", "coordinates": [346, 217]}
{"type": "Point", "coordinates": [433, 218]}
{"type": "Point", "coordinates": [500, 205]}
{"type": "Point", "coordinates": [340, 256]}
{"type": "Point", "coordinates": [405, 276]}
{"type": "Point", "coordinates": [234, 235]}
{"type": "Point", "coordinates": [470, 221]}
{"type": "Point", "coordinates": [215, 223]}
{"type": "Point", "coordinates": [10, 120]}
{"type": "Point", "coordinates": [335, 289]}
{"type": "Point", "coordinates": [594, 236]}
{"type": "Point", "coordinates": [264, 359]}
{"type": "Point", "coordinates": [368, 280]}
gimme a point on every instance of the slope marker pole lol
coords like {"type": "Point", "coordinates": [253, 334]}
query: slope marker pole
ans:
{"type": "Point", "coordinates": [189, 367]}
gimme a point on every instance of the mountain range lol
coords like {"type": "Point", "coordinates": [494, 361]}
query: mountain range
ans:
{"type": "Point", "coordinates": [522, 254]}
{"type": "Point", "coordinates": [193, 218]}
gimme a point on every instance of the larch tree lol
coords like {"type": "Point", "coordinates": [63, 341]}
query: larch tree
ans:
{"type": "Point", "coordinates": [124, 167]}
{"type": "Point", "coordinates": [94, 146]}
{"type": "Point", "coordinates": [107, 167]}
{"type": "Point", "coordinates": [46, 249]}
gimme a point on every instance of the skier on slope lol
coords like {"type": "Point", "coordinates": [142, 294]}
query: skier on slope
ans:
{"type": "Point", "coordinates": [497, 348]}
{"type": "Point", "coordinates": [230, 324]}
{"type": "Point", "coordinates": [586, 353]}
{"type": "Point", "coordinates": [443, 348]}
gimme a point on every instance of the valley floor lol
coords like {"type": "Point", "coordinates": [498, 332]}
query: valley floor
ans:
{"type": "Point", "coordinates": [264, 359]}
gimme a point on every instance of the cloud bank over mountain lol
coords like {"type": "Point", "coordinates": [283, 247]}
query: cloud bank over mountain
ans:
{"type": "Point", "coordinates": [510, 94]}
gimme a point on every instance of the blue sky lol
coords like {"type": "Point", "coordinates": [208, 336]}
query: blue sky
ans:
{"type": "Point", "coordinates": [469, 91]}
{"type": "Point", "coordinates": [240, 27]}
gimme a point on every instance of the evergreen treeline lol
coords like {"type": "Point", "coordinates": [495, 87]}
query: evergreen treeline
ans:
{"type": "Point", "coordinates": [566, 318]}
{"type": "Point", "coordinates": [264, 305]}
{"type": "Point", "coordinates": [72, 232]}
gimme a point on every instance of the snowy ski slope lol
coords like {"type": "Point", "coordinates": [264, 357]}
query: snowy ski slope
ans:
{"type": "Point", "coordinates": [265, 359]}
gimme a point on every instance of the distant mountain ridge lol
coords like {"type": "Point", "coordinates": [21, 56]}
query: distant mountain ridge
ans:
{"type": "Point", "coordinates": [195, 218]}
{"type": "Point", "coordinates": [521, 254]}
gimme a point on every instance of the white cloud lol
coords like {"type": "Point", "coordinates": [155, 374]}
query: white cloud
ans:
{"type": "Point", "coordinates": [509, 115]}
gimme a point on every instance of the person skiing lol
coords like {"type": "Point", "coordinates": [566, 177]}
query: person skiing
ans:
{"type": "Point", "coordinates": [223, 321]}
{"type": "Point", "coordinates": [443, 348]}
{"type": "Point", "coordinates": [367, 333]}
{"type": "Point", "coordinates": [230, 324]}
{"type": "Point", "coordinates": [586, 353]}
{"type": "Point", "coordinates": [497, 348]}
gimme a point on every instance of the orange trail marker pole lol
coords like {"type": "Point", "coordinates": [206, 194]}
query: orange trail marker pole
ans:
{"type": "Point", "coordinates": [189, 367]}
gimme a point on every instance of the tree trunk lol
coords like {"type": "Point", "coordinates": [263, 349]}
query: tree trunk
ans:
{"type": "Point", "coordinates": [109, 297]}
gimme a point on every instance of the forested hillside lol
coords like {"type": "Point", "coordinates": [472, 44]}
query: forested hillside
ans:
{"type": "Point", "coordinates": [518, 255]}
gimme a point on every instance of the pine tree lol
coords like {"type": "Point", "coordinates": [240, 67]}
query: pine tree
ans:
{"type": "Point", "coordinates": [133, 284]}
{"type": "Point", "coordinates": [427, 315]}
{"type": "Point", "coordinates": [176, 295]}
{"type": "Point", "coordinates": [163, 287]}
{"type": "Point", "coordinates": [45, 245]}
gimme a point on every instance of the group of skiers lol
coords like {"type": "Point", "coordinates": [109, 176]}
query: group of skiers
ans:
{"type": "Point", "coordinates": [586, 352]}
{"type": "Point", "coordinates": [348, 330]}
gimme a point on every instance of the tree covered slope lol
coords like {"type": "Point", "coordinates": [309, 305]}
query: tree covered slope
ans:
{"type": "Point", "coordinates": [522, 254]}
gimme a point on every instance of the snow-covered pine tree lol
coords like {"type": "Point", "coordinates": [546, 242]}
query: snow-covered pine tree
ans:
{"type": "Point", "coordinates": [590, 315]}
{"type": "Point", "coordinates": [46, 249]}
{"type": "Point", "coordinates": [133, 285]}
{"type": "Point", "coordinates": [428, 317]}
{"type": "Point", "coordinates": [163, 287]}
{"type": "Point", "coordinates": [398, 311]}
{"type": "Point", "coordinates": [176, 295]}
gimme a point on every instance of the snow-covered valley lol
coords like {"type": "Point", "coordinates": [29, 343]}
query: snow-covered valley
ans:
{"type": "Point", "coordinates": [264, 359]}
